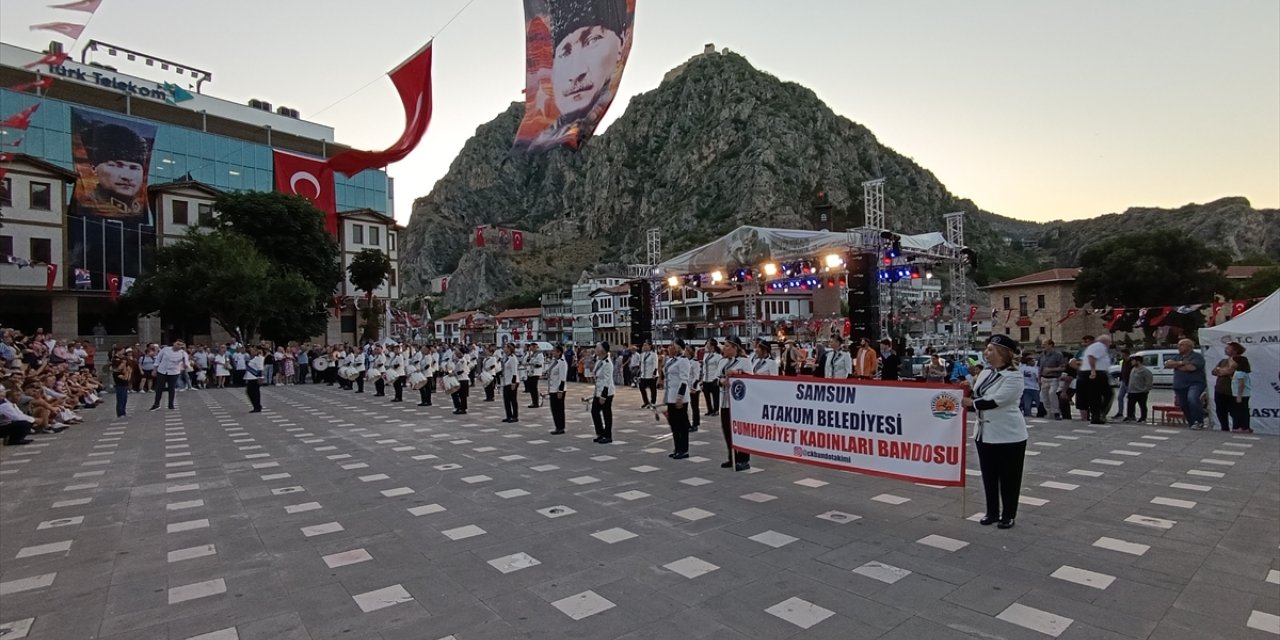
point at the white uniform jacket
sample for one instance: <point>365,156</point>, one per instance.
<point>510,370</point>
<point>605,387</point>
<point>728,366</point>
<point>711,366</point>
<point>839,364</point>
<point>557,375</point>
<point>695,375</point>
<point>765,367</point>
<point>995,397</point>
<point>648,364</point>
<point>676,380</point>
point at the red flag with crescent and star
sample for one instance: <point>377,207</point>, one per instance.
<point>52,276</point>
<point>1213,312</point>
<point>480,237</point>
<point>87,6</point>
<point>973,311</point>
<point>413,82</point>
<point>51,59</point>
<point>1238,307</point>
<point>1116,315</point>
<point>310,178</point>
<point>43,83</point>
<point>68,29</point>
<point>113,286</point>
<point>21,119</point>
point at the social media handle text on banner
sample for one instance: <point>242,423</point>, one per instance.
<point>910,432</point>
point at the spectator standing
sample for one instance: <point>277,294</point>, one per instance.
<point>1188,382</point>
<point>121,374</point>
<point>1224,393</point>
<point>890,362</point>
<point>1052,363</point>
<point>1094,367</point>
<point>1125,368</point>
<point>1030,385</point>
<point>1242,387</point>
<point>1141,379</point>
<point>169,363</point>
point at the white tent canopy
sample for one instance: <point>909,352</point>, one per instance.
<point>746,246</point>
<point>1258,330</point>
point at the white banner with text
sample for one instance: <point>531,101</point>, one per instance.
<point>907,431</point>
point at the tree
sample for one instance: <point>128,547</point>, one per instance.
<point>1263,283</point>
<point>367,271</point>
<point>217,274</point>
<point>1151,269</point>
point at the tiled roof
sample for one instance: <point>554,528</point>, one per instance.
<point>1040,277</point>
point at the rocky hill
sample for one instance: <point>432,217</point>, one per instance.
<point>717,145</point>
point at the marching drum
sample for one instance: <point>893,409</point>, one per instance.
<point>321,363</point>
<point>372,375</point>
<point>485,378</point>
<point>451,384</point>
<point>349,373</point>
<point>410,370</point>
<point>417,380</point>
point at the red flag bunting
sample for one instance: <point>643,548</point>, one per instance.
<point>847,329</point>
<point>1238,307</point>
<point>1213,312</point>
<point>480,237</point>
<point>52,276</point>
<point>87,6</point>
<point>68,29</point>
<point>1071,313</point>
<point>51,59</point>
<point>113,286</point>
<point>1008,316</point>
<point>413,82</point>
<point>1160,317</point>
<point>310,178</point>
<point>43,83</point>
<point>517,240</point>
<point>21,119</point>
<point>1116,315</point>
<point>973,312</point>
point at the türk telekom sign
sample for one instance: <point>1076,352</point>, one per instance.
<point>106,79</point>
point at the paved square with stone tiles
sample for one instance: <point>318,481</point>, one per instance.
<point>338,515</point>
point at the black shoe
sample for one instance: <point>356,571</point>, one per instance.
<point>531,406</point>
<point>359,392</point>
<point>379,395</point>
<point>506,420</point>
<point>597,439</point>
<point>693,428</point>
<point>462,413</point>
<point>1005,524</point>
<point>556,432</point>
<point>155,408</point>
<point>26,441</point>
<point>256,411</point>
<point>742,466</point>
<point>57,429</point>
<point>988,520</point>
<point>397,400</point>
<point>726,465</point>
<point>678,456</point>
<point>606,440</point>
<point>423,404</point>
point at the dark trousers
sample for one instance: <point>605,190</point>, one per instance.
<point>711,392</point>
<point>602,416</point>
<point>1099,398</point>
<point>331,375</point>
<point>737,457</point>
<point>488,390</point>
<point>1001,466</point>
<point>1224,406</point>
<point>398,386</point>
<point>122,398</point>
<point>379,387</point>
<point>237,377</point>
<point>510,402</point>
<point>678,418</point>
<point>1139,400</point>
<point>16,431</point>
<point>253,389</point>
<point>531,388</point>
<point>359,382</point>
<point>649,390</point>
<point>163,382</point>
<point>303,370</point>
<point>460,396</point>
<point>695,414</point>
<point>557,410</point>
<point>627,376</point>
<point>425,393</point>
<point>1239,414</point>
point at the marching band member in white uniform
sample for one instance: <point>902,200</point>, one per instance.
<point>732,362</point>
<point>462,370</point>
<point>695,391</point>
<point>711,366</point>
<point>379,364</point>
<point>493,367</point>
<point>648,381</point>
<point>676,388</point>
<point>764,365</point>
<point>557,376</point>
<point>602,401</point>
<point>397,372</point>
<point>511,383</point>
<point>534,362</point>
<point>428,369</point>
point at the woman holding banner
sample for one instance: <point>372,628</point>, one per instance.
<point>1001,437</point>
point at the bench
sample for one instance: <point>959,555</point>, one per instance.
<point>1167,414</point>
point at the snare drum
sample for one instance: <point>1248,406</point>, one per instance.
<point>417,380</point>
<point>451,384</point>
<point>485,378</point>
<point>372,375</point>
<point>321,363</point>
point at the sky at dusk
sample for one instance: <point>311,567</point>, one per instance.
<point>1035,110</point>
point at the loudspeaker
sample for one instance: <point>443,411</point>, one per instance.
<point>864,298</point>
<point>640,304</point>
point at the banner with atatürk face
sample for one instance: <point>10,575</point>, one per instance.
<point>109,219</point>
<point>575,54</point>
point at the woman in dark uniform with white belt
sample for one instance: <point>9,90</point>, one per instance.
<point>1001,436</point>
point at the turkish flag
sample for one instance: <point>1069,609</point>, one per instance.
<point>68,29</point>
<point>52,277</point>
<point>517,240</point>
<point>87,6</point>
<point>1071,313</point>
<point>43,83</point>
<point>1164,313</point>
<point>1238,307</point>
<point>1116,316</point>
<point>973,311</point>
<point>1213,312</point>
<point>413,82</point>
<point>21,119</point>
<point>51,59</point>
<point>113,286</point>
<point>310,178</point>
<point>847,329</point>
<point>480,237</point>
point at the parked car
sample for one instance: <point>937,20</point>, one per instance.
<point>1153,359</point>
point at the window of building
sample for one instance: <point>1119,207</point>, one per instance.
<point>42,250</point>
<point>1040,301</point>
<point>1041,330</point>
<point>1006,303</point>
<point>6,192</point>
<point>348,324</point>
<point>391,242</point>
<point>1022,306</point>
<point>41,196</point>
<point>391,278</point>
<point>373,236</point>
<point>180,209</point>
<point>357,234</point>
<point>1024,334</point>
<point>6,245</point>
<point>204,214</point>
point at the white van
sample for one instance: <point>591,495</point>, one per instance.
<point>1154,360</point>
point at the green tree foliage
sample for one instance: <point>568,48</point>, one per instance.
<point>217,274</point>
<point>367,271</point>
<point>1150,269</point>
<point>1263,283</point>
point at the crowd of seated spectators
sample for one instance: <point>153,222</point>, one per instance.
<point>46,383</point>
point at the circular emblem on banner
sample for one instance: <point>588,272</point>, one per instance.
<point>945,406</point>
<point>738,390</point>
<point>799,451</point>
